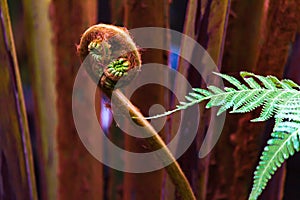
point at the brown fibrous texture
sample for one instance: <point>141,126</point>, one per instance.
<point>121,46</point>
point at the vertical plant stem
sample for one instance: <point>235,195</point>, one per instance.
<point>40,34</point>
<point>16,163</point>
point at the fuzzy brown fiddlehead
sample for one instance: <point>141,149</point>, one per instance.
<point>112,54</point>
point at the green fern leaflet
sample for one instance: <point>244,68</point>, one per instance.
<point>278,99</point>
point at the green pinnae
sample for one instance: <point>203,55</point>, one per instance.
<point>121,60</point>
<point>99,50</point>
<point>108,84</point>
<point>118,67</point>
<point>93,46</point>
<point>111,70</point>
<point>122,68</point>
<point>117,73</point>
<point>126,64</point>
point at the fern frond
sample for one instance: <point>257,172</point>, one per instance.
<point>268,92</point>
<point>272,104</point>
<point>283,144</point>
<point>279,99</point>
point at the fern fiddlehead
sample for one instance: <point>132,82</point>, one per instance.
<point>279,99</point>
<point>109,73</point>
<point>113,54</point>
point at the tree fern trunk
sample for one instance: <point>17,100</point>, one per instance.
<point>147,186</point>
<point>279,33</point>
<point>117,12</point>
<point>79,174</point>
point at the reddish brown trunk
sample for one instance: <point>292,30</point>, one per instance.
<point>79,174</point>
<point>147,186</point>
